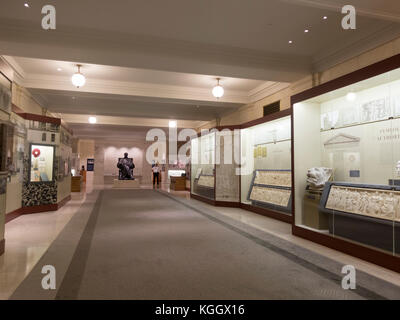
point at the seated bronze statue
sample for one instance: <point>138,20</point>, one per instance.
<point>125,166</point>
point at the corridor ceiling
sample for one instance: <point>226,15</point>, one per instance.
<point>159,59</point>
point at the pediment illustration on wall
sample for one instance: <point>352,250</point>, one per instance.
<point>341,138</point>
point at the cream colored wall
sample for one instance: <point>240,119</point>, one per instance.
<point>14,195</point>
<point>255,110</point>
<point>85,151</point>
<point>4,116</point>
<point>23,99</point>
<point>307,141</point>
<point>63,188</point>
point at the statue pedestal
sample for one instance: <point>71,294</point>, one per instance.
<point>126,184</point>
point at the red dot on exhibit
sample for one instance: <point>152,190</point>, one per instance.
<point>36,152</point>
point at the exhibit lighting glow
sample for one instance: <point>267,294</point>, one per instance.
<point>172,124</point>
<point>92,120</point>
<point>325,17</point>
<point>218,91</point>
<point>351,96</point>
<point>26,5</point>
<point>78,79</point>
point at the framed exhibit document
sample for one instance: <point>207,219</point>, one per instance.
<point>41,163</point>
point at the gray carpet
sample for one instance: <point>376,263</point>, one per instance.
<point>141,244</point>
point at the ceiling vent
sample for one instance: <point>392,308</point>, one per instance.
<point>272,108</point>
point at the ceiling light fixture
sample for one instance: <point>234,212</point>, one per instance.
<point>325,18</point>
<point>92,120</point>
<point>290,41</point>
<point>26,5</point>
<point>351,96</point>
<point>78,79</point>
<point>218,91</point>
<point>172,124</point>
<point>59,69</point>
<point>306,30</point>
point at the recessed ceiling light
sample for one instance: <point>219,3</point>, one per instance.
<point>172,124</point>
<point>325,17</point>
<point>290,41</point>
<point>26,5</point>
<point>92,120</point>
<point>59,69</point>
<point>306,30</point>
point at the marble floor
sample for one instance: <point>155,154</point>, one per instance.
<point>30,238</point>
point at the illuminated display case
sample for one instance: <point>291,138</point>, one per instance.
<point>347,157</point>
<point>203,166</point>
<point>266,176</point>
<point>41,163</point>
<point>47,164</point>
<point>214,172</point>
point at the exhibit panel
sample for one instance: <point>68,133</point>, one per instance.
<point>203,166</point>
<point>347,161</point>
<point>266,165</point>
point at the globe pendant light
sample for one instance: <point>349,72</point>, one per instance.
<point>218,91</point>
<point>78,79</point>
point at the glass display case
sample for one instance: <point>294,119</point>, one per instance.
<point>203,166</point>
<point>266,180</point>
<point>214,167</point>
<point>347,162</point>
<point>227,172</point>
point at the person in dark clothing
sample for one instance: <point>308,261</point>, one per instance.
<point>156,174</point>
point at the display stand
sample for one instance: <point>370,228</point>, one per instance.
<point>271,189</point>
<point>47,165</point>
<point>178,183</point>
<point>126,184</point>
<point>76,184</point>
<point>356,211</point>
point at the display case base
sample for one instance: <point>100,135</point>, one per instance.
<point>126,184</point>
<point>284,217</point>
<point>36,209</point>
<point>370,231</point>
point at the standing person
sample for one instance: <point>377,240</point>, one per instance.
<point>156,174</point>
<point>83,174</point>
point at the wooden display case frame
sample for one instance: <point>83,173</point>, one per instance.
<point>364,252</point>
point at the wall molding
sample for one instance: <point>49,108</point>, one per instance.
<point>267,89</point>
<point>355,49</point>
<point>139,89</point>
